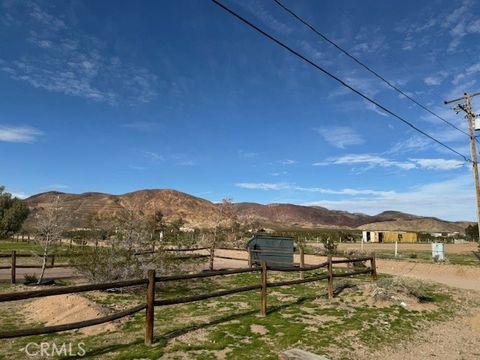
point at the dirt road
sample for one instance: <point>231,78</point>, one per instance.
<point>55,273</point>
<point>460,276</point>
<point>403,247</point>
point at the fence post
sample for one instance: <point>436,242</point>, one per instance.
<point>52,264</point>
<point>250,258</point>
<point>150,310</point>
<point>212,257</point>
<point>263,291</point>
<point>14,267</point>
<point>373,265</point>
<point>330,277</point>
<point>302,262</point>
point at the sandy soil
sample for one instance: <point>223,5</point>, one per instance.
<point>64,309</point>
<point>455,339</point>
<point>461,276</point>
<point>55,273</point>
<point>449,248</point>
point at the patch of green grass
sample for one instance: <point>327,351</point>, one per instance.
<point>426,256</point>
<point>8,246</point>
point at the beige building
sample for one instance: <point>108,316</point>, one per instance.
<point>388,236</point>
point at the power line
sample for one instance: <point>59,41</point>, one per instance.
<point>324,37</point>
<point>326,72</point>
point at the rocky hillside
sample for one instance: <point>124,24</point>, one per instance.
<point>173,204</point>
<point>201,213</point>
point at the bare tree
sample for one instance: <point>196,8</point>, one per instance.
<point>128,253</point>
<point>224,227</point>
<point>49,226</point>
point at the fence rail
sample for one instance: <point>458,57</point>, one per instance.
<point>151,280</point>
<point>71,326</point>
<point>14,255</point>
<point>14,266</point>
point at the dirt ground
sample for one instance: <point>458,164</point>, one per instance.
<point>64,309</point>
<point>457,339</point>
<point>461,276</point>
<point>454,339</point>
<point>55,273</point>
<point>449,248</point>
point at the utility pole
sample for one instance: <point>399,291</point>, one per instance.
<point>467,108</point>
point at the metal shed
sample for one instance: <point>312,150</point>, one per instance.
<point>275,250</point>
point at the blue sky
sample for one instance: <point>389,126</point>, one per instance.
<point>116,96</point>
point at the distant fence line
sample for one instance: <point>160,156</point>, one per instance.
<point>151,280</point>
<point>14,255</point>
<point>211,255</point>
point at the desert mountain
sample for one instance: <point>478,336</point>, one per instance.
<point>201,213</point>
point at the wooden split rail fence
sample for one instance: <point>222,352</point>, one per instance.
<point>151,280</point>
<point>14,255</point>
<point>14,265</point>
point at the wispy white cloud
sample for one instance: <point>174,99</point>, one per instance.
<point>366,159</point>
<point>75,63</point>
<point>142,125</point>
<point>433,199</point>
<point>58,186</point>
<point>374,108</point>
<point>263,186</point>
<point>371,161</point>
<point>435,79</point>
<point>340,136</point>
<point>313,52</point>
<point>185,163</point>
<point>466,75</point>
<point>279,173</point>
<point>450,23</point>
<point>412,144</point>
<point>368,86</point>
<point>460,23</point>
<point>153,156</point>
<point>438,164</point>
<point>370,39</point>
<point>246,154</point>
<point>137,167</point>
<point>256,8</point>
<point>20,195</point>
<point>19,134</point>
<point>287,186</point>
<point>286,162</point>
<point>16,193</point>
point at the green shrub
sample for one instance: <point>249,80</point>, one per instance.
<point>30,279</point>
<point>388,288</point>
